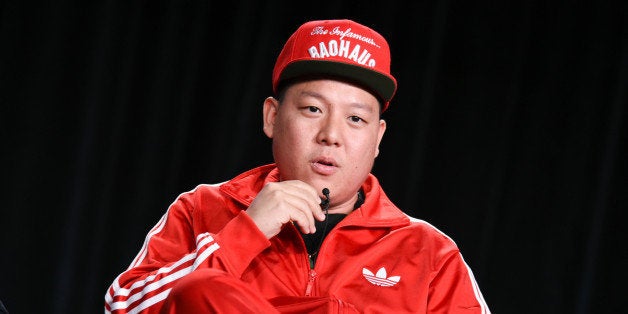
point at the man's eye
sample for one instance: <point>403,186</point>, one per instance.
<point>355,119</point>
<point>313,109</point>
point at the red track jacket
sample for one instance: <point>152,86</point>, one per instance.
<point>377,259</point>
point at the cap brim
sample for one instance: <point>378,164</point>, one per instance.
<point>382,85</point>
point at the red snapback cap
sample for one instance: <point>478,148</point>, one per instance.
<point>338,48</point>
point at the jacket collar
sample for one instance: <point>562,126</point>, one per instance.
<point>377,209</point>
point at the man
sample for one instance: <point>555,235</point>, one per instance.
<point>313,232</point>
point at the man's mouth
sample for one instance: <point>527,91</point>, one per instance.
<point>325,162</point>
<point>324,166</point>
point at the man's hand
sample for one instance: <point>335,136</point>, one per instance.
<point>287,201</point>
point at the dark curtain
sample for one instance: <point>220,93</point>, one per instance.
<point>508,133</point>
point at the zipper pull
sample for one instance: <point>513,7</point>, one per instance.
<point>310,283</point>
<point>311,259</point>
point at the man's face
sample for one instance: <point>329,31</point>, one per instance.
<point>325,133</point>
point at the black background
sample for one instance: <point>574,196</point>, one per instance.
<point>508,133</point>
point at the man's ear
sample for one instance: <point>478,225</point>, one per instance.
<point>271,107</point>
<point>380,135</point>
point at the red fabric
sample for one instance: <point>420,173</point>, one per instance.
<point>375,260</point>
<point>312,305</point>
<point>214,291</point>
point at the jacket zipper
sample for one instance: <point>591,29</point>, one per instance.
<point>310,283</point>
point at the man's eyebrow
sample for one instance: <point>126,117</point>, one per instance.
<point>310,94</point>
<point>362,106</point>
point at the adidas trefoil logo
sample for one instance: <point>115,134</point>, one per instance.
<point>380,279</point>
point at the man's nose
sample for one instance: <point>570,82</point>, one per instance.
<point>330,131</point>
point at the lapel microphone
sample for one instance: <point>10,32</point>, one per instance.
<point>325,202</point>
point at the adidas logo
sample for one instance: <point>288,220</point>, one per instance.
<point>380,278</point>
